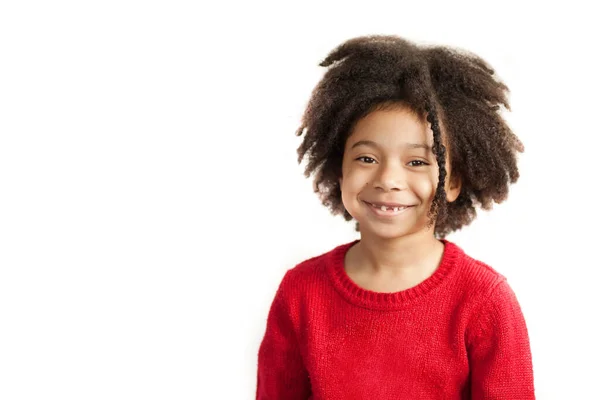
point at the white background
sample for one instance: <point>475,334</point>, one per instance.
<point>150,199</point>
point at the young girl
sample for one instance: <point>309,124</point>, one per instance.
<point>406,140</point>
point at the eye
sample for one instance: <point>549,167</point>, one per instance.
<point>366,158</point>
<point>417,163</point>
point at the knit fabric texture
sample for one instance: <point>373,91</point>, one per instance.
<point>459,334</point>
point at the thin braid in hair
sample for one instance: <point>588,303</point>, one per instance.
<point>438,209</point>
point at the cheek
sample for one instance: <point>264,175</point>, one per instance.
<point>354,179</point>
<point>425,186</point>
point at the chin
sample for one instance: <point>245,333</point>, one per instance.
<point>386,232</point>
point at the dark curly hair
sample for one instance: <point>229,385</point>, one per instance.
<point>456,90</point>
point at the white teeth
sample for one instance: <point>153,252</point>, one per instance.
<point>386,208</point>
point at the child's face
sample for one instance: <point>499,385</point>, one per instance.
<point>388,159</point>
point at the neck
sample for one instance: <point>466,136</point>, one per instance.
<point>399,256</point>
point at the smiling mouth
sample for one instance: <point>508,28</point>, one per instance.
<point>386,210</point>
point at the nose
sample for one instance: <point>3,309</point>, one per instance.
<point>390,176</point>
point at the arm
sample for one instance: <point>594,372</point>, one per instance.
<point>499,351</point>
<point>281,371</point>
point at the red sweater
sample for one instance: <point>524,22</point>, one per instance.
<point>460,334</point>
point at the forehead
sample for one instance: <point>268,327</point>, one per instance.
<point>391,128</point>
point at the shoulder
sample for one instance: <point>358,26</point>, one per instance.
<point>478,278</point>
<point>491,298</point>
<point>310,273</point>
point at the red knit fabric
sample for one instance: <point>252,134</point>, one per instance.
<point>460,334</point>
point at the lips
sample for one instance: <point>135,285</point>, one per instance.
<point>387,205</point>
<point>380,209</point>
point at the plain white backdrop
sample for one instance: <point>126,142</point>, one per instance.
<point>150,198</point>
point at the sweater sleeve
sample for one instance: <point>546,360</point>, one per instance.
<point>499,351</point>
<point>281,371</point>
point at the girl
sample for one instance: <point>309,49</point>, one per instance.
<point>406,140</point>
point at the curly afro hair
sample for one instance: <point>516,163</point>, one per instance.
<point>456,90</point>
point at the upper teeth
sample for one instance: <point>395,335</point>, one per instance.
<point>384,208</point>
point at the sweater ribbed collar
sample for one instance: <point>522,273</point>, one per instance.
<point>388,301</point>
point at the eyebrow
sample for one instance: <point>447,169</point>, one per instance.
<point>371,143</point>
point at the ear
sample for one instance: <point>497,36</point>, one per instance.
<point>453,187</point>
